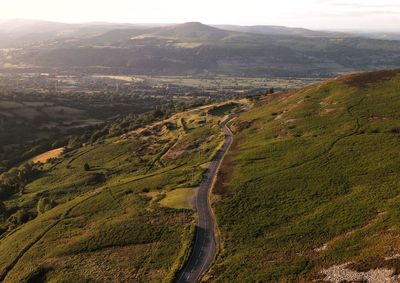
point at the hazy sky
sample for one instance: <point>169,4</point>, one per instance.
<point>316,14</point>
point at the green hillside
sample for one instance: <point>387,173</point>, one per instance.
<point>313,182</point>
<point>193,30</point>
<point>95,214</point>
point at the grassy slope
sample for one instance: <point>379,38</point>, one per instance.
<point>113,230</point>
<point>315,167</point>
<point>179,198</point>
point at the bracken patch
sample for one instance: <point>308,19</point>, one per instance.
<point>362,80</point>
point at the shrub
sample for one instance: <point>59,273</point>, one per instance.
<point>5,192</point>
<point>375,131</point>
<point>395,131</point>
<point>44,204</point>
<point>20,217</point>
<point>37,275</point>
<point>3,209</point>
<point>128,192</point>
<point>94,179</point>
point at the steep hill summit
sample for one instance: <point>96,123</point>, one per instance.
<point>194,30</point>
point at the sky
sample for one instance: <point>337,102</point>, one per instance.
<point>372,15</point>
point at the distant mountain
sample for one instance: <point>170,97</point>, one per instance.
<point>272,30</point>
<point>194,48</point>
<point>117,35</point>
<point>24,27</point>
<point>192,30</point>
<point>29,31</point>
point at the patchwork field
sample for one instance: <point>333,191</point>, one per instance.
<point>310,191</point>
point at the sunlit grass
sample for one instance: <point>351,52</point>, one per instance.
<point>179,198</point>
<point>301,177</point>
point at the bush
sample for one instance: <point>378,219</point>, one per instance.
<point>37,275</point>
<point>128,192</point>
<point>395,130</point>
<point>5,192</point>
<point>94,179</point>
<point>375,131</point>
<point>20,217</point>
<point>15,179</point>
<point>3,209</point>
<point>44,204</point>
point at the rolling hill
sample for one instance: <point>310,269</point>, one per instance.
<point>275,30</point>
<point>118,210</point>
<point>194,48</point>
<point>309,191</point>
<point>192,31</point>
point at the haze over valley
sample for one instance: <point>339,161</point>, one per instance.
<point>190,48</point>
<point>187,141</point>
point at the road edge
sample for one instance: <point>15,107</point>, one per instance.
<point>217,232</point>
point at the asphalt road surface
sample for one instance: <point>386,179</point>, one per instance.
<point>204,248</point>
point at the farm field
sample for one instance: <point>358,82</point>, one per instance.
<point>45,157</point>
<point>310,189</point>
<point>220,82</point>
<point>43,111</point>
<point>116,210</point>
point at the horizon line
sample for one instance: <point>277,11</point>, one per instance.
<point>330,29</point>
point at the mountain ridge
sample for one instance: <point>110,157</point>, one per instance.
<point>195,48</point>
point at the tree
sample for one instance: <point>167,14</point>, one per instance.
<point>10,178</point>
<point>86,167</point>
<point>25,172</point>
<point>5,192</point>
<point>73,142</point>
<point>114,130</point>
<point>3,208</point>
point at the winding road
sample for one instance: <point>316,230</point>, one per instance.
<point>204,247</point>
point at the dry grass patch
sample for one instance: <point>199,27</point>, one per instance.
<point>363,79</point>
<point>45,157</point>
